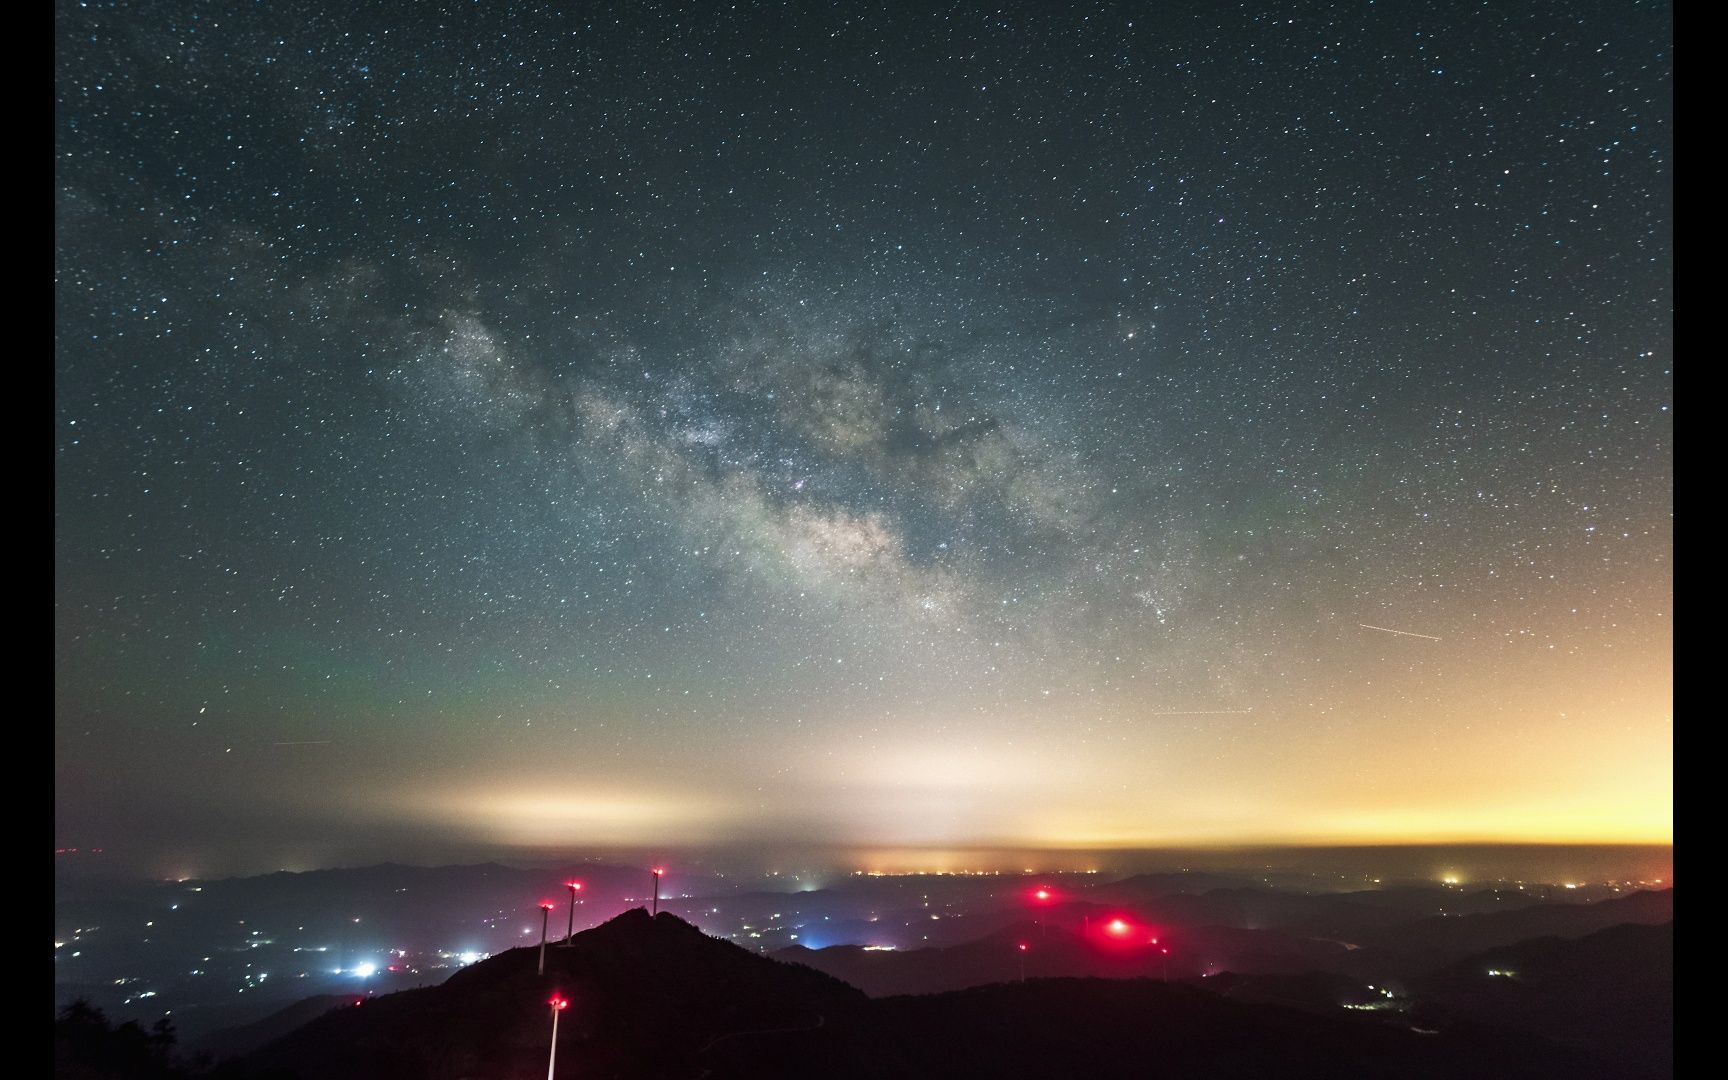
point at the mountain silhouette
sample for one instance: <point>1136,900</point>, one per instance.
<point>646,994</point>
<point>1610,994</point>
<point>1054,951</point>
<point>653,997</point>
<point>244,1038</point>
<point>1452,937</point>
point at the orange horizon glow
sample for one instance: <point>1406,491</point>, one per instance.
<point>1578,753</point>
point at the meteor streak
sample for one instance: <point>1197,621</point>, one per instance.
<point>1400,633</point>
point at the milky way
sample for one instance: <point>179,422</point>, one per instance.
<point>477,424</point>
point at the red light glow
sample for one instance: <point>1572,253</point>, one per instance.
<point>559,1003</point>
<point>1117,927</point>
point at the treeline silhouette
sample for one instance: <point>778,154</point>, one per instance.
<point>88,1046</point>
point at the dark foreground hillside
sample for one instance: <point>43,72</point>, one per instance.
<point>1610,994</point>
<point>654,997</point>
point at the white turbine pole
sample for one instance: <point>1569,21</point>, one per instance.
<point>570,930</point>
<point>558,1006</point>
<point>545,912</point>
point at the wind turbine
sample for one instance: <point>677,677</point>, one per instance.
<point>545,913</point>
<point>570,929</point>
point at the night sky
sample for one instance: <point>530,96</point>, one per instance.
<point>486,426</point>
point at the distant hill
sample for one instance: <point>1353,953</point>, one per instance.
<point>1446,938</point>
<point>654,997</point>
<point>1055,952</point>
<point>1091,1028</point>
<point>1147,886</point>
<point>1610,994</point>
<point>1312,991</point>
<point>245,1038</point>
<point>1187,901</point>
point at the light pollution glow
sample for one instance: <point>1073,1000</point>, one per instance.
<point>1173,463</point>
<point>1612,784</point>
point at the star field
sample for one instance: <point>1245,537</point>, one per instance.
<point>493,424</point>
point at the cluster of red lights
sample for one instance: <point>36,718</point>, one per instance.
<point>1117,929</point>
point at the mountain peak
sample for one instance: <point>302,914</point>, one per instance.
<point>646,993</point>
